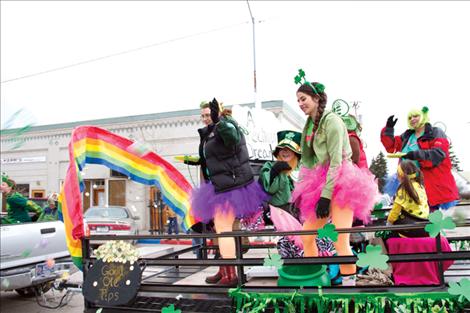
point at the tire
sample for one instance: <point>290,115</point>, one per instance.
<point>29,292</point>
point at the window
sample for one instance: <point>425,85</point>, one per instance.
<point>117,192</point>
<point>38,193</point>
<point>23,189</point>
<point>117,174</point>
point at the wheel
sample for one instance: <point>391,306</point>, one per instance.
<point>29,292</point>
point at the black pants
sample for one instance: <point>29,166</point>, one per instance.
<point>404,219</point>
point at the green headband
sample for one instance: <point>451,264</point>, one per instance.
<point>6,179</point>
<point>316,87</point>
<point>204,104</point>
<point>424,118</point>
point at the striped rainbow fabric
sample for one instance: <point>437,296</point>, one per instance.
<point>94,145</point>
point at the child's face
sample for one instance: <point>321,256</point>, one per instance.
<point>5,188</point>
<point>285,154</point>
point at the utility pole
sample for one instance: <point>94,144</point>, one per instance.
<point>257,103</point>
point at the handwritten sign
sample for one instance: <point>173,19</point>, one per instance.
<point>261,127</point>
<point>112,283</point>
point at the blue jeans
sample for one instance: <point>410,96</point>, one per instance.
<point>172,225</point>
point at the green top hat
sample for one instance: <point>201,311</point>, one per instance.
<point>288,139</point>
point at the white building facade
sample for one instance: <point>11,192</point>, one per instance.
<point>38,159</point>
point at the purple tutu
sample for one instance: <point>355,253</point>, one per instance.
<point>354,187</point>
<point>244,201</point>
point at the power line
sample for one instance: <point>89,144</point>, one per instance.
<point>122,52</point>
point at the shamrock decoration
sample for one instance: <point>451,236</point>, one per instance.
<point>170,309</point>
<point>401,309</point>
<point>461,289</point>
<point>99,310</point>
<point>273,260</point>
<point>438,309</point>
<point>328,231</point>
<point>17,136</point>
<point>26,253</point>
<point>438,224</point>
<point>379,213</point>
<point>372,258</point>
<point>298,78</point>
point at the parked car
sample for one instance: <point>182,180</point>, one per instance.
<point>111,220</point>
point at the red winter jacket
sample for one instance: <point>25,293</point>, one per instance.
<point>433,158</point>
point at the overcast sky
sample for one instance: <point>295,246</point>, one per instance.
<point>64,61</point>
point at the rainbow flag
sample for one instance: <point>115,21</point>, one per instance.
<point>94,145</point>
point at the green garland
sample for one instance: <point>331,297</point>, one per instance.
<point>382,302</point>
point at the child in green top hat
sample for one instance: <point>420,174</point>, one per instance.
<point>275,178</point>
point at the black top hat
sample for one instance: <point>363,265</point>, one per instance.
<point>288,139</point>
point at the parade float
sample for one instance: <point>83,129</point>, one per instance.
<point>115,281</point>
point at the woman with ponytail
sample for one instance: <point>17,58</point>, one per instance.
<point>330,185</point>
<point>428,147</point>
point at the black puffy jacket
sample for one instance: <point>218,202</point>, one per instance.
<point>226,156</point>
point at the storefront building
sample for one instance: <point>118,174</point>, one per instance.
<point>38,159</point>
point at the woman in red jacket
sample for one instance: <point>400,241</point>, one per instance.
<point>429,148</point>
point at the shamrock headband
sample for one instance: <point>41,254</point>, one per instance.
<point>7,180</point>
<point>204,104</point>
<point>424,118</point>
<point>316,87</point>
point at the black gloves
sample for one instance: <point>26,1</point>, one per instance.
<point>214,106</point>
<point>391,122</point>
<point>277,168</point>
<point>323,208</point>
<point>412,155</point>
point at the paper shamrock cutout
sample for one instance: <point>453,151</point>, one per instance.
<point>461,289</point>
<point>328,231</point>
<point>273,260</point>
<point>170,309</point>
<point>438,224</point>
<point>373,258</point>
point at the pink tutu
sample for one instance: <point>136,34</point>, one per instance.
<point>354,187</point>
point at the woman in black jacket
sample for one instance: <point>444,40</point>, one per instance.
<point>231,192</point>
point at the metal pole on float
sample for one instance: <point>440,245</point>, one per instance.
<point>257,103</point>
